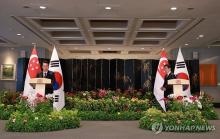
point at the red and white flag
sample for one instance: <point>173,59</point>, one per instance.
<point>181,72</point>
<point>159,80</point>
<point>58,85</point>
<point>32,71</point>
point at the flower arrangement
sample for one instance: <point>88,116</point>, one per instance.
<point>185,100</point>
<point>41,122</point>
<point>102,93</point>
<point>175,121</point>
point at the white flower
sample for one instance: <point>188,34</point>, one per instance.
<point>36,118</point>
<point>61,117</point>
<point>13,120</point>
<point>187,99</point>
<point>170,96</point>
<point>49,96</point>
<point>199,104</point>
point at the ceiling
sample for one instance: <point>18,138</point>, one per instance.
<point>130,29</point>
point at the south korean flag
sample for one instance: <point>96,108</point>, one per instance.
<point>58,84</point>
<point>181,72</point>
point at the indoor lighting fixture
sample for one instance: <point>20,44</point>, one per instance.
<point>108,8</point>
<point>201,35</point>
<point>173,8</point>
<point>186,44</point>
<point>19,34</point>
<point>43,7</point>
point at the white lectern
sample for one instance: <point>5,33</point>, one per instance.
<point>178,86</point>
<point>39,84</point>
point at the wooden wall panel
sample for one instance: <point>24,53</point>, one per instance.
<point>208,74</point>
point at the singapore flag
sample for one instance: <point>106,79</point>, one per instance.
<point>159,80</point>
<point>32,71</point>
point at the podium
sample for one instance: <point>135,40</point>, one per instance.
<point>39,84</point>
<point>178,86</point>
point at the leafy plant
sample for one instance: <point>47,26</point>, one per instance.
<point>101,115</point>
<point>188,121</point>
<point>41,122</point>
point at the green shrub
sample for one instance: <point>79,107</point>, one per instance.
<point>41,122</point>
<point>101,115</point>
<point>8,97</point>
<point>208,110</point>
<point>6,111</point>
<point>189,121</point>
<point>107,105</point>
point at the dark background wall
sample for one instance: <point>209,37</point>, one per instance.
<point>89,74</point>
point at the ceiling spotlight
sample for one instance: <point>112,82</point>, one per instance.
<point>43,7</point>
<point>19,34</point>
<point>201,35</point>
<point>173,8</point>
<point>108,8</point>
<point>186,44</point>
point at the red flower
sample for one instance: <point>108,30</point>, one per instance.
<point>179,98</point>
<point>102,93</point>
<point>193,98</point>
<point>39,95</point>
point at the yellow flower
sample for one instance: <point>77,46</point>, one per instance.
<point>178,121</point>
<point>61,117</point>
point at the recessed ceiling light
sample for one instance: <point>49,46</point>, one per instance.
<point>43,7</point>
<point>173,8</point>
<point>19,34</point>
<point>190,8</point>
<point>108,8</point>
<point>26,6</point>
<point>201,35</point>
<point>186,44</point>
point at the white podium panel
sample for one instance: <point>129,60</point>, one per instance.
<point>178,86</point>
<point>39,84</point>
